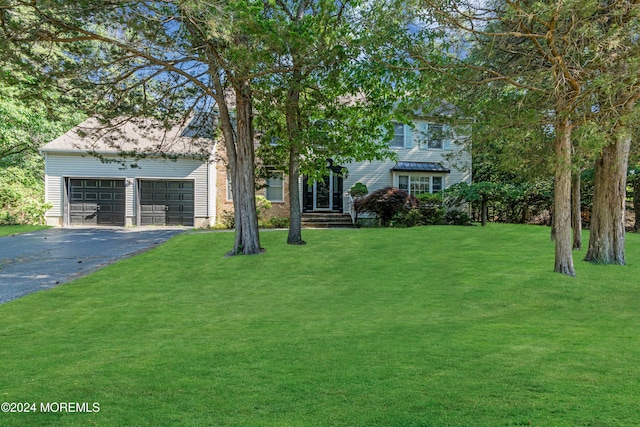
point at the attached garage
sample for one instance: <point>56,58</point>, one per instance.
<point>96,201</point>
<point>108,189</point>
<point>166,202</point>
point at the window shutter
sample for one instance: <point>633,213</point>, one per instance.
<point>408,136</point>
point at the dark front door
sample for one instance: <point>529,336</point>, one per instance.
<point>323,199</point>
<point>323,195</point>
<point>166,202</point>
<point>96,201</point>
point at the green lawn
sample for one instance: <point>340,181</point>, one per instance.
<point>7,230</point>
<point>435,326</point>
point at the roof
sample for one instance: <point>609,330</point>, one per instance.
<point>136,135</point>
<point>419,167</point>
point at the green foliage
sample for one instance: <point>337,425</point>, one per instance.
<point>457,217</point>
<point>513,203</point>
<point>21,197</point>
<point>387,203</point>
<point>262,206</point>
<point>430,199</point>
<point>32,115</point>
<point>278,222</point>
<point>358,190</point>
<point>227,219</point>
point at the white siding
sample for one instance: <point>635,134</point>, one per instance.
<point>59,166</point>
<point>377,175</point>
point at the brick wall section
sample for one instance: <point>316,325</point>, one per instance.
<point>280,209</point>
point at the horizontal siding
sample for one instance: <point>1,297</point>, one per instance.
<point>59,166</point>
<point>377,175</point>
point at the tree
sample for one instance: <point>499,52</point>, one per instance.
<point>550,54</point>
<point>33,112</point>
<point>613,78</point>
<point>387,203</point>
<point>634,180</point>
<point>162,59</point>
<point>331,103</point>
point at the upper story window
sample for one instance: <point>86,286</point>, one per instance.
<point>398,136</point>
<point>402,136</point>
<point>435,136</point>
<point>275,187</point>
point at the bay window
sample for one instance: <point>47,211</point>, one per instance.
<point>420,184</point>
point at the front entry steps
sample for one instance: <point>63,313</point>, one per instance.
<point>326,220</point>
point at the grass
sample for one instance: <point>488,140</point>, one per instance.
<point>8,230</point>
<point>435,326</point>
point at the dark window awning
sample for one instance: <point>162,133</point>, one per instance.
<point>419,167</point>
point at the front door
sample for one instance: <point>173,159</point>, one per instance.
<point>322,194</point>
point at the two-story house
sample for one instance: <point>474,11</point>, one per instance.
<point>191,191</point>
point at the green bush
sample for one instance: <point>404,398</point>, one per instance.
<point>278,222</point>
<point>21,197</point>
<point>457,217</point>
<point>227,219</point>
<point>358,190</point>
<point>262,206</point>
<point>387,204</point>
<point>430,199</point>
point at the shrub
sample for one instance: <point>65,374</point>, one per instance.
<point>262,206</point>
<point>227,219</point>
<point>430,199</point>
<point>432,214</point>
<point>457,217</point>
<point>358,190</point>
<point>21,197</point>
<point>387,203</point>
<point>278,222</point>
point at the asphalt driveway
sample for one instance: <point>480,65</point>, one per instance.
<point>43,259</point>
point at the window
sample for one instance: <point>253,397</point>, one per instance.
<point>420,184</point>
<point>435,136</point>
<point>275,187</point>
<point>436,184</point>
<point>229,191</point>
<point>398,136</point>
<point>403,182</point>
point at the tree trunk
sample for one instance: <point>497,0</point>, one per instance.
<point>636,203</point>
<point>576,211</point>
<point>243,173</point>
<point>562,199</point>
<point>484,209</point>
<point>552,223</point>
<point>295,215</point>
<point>293,131</point>
<point>606,242</point>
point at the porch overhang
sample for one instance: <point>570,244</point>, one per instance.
<point>433,167</point>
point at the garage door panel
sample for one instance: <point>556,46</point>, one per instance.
<point>96,201</point>
<point>166,202</point>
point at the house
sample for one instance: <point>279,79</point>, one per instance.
<point>87,183</point>
<point>430,157</point>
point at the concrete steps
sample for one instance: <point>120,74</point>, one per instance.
<point>326,220</point>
